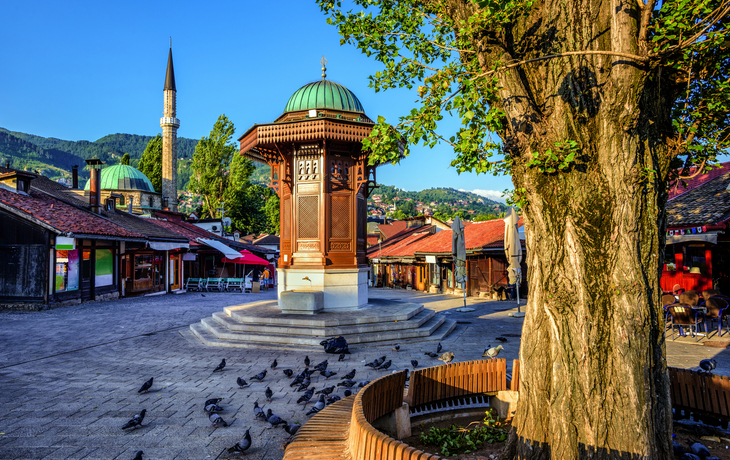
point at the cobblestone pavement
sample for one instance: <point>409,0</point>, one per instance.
<point>69,377</point>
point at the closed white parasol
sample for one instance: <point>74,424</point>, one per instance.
<point>513,251</point>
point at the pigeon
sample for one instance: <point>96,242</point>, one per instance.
<point>447,357</point>
<point>342,357</point>
<point>363,383</point>
<point>306,361</point>
<point>492,352</point>
<point>241,382</point>
<point>321,366</point>
<point>700,450</point>
<point>268,394</point>
<point>501,339</point>
<point>431,354</point>
<point>273,419</point>
<point>439,348</point>
<point>708,365</point>
<point>274,364</point>
<point>318,406</point>
<point>258,413</point>
<point>305,384</point>
<point>677,448</point>
<point>135,421</point>
<point>349,376</point>
<point>376,362</point>
<point>327,374</point>
<point>216,420</point>
<point>347,383</point>
<point>385,365</point>
<point>146,386</point>
<point>291,429</point>
<point>202,295</point>
<point>220,366</point>
<point>138,456</point>
<point>210,408</point>
<point>306,397</point>
<point>414,363</point>
<point>396,348</point>
<point>333,399</point>
<point>689,456</point>
<point>298,380</point>
<point>347,393</point>
<point>212,401</point>
<point>288,373</point>
<point>326,391</point>
<point>242,445</point>
<point>259,377</point>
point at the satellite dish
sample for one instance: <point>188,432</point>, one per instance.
<point>226,221</point>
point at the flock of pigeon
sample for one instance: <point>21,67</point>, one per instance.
<point>302,382</point>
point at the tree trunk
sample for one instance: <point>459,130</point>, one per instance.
<point>593,369</point>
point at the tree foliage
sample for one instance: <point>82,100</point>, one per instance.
<point>151,162</point>
<point>124,160</point>
<point>271,209</point>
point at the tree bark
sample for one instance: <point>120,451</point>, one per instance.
<point>593,366</point>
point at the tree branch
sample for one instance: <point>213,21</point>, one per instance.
<point>699,171</point>
<point>567,53</point>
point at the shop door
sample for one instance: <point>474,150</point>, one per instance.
<point>473,278</point>
<point>175,272</point>
<point>422,276</point>
<point>87,271</point>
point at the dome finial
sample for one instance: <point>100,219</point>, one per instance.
<point>323,61</point>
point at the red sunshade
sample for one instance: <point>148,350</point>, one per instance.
<point>247,258</point>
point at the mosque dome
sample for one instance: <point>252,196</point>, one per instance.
<point>123,177</point>
<point>324,94</point>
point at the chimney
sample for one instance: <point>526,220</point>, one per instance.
<point>75,177</point>
<point>95,186</point>
<point>7,164</point>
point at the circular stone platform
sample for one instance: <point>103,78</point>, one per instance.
<point>261,324</point>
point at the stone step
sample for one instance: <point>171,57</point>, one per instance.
<point>287,339</point>
<point>205,336</point>
<point>328,331</point>
<point>268,312</point>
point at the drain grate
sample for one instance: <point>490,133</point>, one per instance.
<point>451,404</point>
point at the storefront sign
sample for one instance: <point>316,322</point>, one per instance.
<point>63,242</point>
<point>430,259</point>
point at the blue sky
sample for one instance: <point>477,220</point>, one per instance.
<point>82,70</point>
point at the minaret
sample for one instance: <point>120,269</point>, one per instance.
<point>169,125</point>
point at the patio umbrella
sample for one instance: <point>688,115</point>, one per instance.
<point>513,250</point>
<point>246,258</point>
<point>458,250</point>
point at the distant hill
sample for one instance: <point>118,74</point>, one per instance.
<point>54,158</point>
<point>442,199</point>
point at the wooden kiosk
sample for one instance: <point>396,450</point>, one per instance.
<point>322,177</point>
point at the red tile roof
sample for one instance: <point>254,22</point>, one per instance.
<point>678,189</point>
<point>393,228</point>
<point>62,216</point>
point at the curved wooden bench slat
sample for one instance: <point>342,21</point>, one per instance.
<point>325,435</point>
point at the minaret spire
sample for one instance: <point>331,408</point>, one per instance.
<point>170,75</point>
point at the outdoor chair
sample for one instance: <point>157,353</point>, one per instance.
<point>219,284</point>
<point>707,293</point>
<point>193,284</point>
<point>684,316</point>
<point>234,283</point>
<point>667,301</point>
<point>689,298</point>
<point>716,310</point>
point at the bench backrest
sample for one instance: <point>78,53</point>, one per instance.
<point>457,379</point>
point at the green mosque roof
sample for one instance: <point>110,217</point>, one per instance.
<point>324,94</point>
<point>123,177</point>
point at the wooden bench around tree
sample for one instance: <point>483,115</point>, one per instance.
<point>325,435</point>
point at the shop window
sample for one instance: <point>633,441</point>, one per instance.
<point>67,270</point>
<point>142,267</point>
<point>104,268</point>
<point>696,258</point>
<point>669,260</point>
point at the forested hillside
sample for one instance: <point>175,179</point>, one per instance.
<point>54,158</point>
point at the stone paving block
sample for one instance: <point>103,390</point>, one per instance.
<point>62,453</point>
<point>25,453</point>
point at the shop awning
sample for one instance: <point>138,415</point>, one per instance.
<point>159,246</point>
<point>226,250</point>
<point>246,257</point>
<point>708,237</point>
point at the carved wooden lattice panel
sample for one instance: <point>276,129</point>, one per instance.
<point>308,217</point>
<point>340,216</point>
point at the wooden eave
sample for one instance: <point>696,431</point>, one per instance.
<point>259,142</point>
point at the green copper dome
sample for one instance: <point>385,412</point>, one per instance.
<point>123,177</point>
<point>324,94</point>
